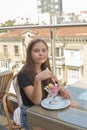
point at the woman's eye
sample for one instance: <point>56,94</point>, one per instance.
<point>44,50</point>
<point>37,50</point>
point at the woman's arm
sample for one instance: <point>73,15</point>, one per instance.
<point>34,93</point>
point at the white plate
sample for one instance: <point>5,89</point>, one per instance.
<point>62,103</point>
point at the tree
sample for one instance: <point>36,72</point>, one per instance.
<point>8,23</point>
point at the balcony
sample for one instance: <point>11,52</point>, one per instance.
<point>75,62</point>
<point>59,61</point>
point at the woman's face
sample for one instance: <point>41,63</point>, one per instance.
<point>39,53</point>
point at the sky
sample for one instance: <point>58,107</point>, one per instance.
<point>24,8</point>
<point>74,5</point>
<point>15,8</point>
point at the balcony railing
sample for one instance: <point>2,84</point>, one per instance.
<point>58,60</point>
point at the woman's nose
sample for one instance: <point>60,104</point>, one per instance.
<point>40,52</point>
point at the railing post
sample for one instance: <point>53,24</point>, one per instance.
<point>53,49</point>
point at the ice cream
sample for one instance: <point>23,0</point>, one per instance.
<point>55,88</point>
<point>50,85</point>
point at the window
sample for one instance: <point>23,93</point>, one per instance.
<point>18,64</point>
<point>72,54</point>
<point>5,50</point>
<point>4,64</point>
<point>59,52</point>
<point>52,1</point>
<point>59,72</point>
<point>16,50</point>
<point>56,0</point>
<point>73,74</point>
<point>56,6</point>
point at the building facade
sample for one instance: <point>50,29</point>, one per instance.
<point>52,7</point>
<point>13,48</point>
<point>69,44</point>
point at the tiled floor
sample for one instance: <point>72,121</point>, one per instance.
<point>3,123</point>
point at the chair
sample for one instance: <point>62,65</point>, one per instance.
<point>5,80</point>
<point>9,108</point>
<point>17,91</point>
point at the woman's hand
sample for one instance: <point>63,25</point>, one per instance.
<point>65,93</point>
<point>46,74</point>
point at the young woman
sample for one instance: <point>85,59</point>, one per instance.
<point>34,76</point>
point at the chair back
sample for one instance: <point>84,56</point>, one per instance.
<point>5,80</point>
<point>17,91</point>
<point>9,108</point>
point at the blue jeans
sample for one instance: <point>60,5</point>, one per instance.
<point>23,117</point>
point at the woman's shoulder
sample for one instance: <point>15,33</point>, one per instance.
<point>24,71</point>
<point>22,74</point>
<point>23,79</point>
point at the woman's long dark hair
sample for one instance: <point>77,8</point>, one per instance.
<point>29,65</point>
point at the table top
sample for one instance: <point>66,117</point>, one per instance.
<point>79,96</point>
<point>76,116</point>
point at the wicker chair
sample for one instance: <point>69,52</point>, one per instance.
<point>9,108</point>
<point>5,81</point>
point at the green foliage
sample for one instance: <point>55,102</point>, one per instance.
<point>8,23</point>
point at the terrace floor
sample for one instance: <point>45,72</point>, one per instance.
<point>3,123</point>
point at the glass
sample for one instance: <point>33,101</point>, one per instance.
<point>53,93</point>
